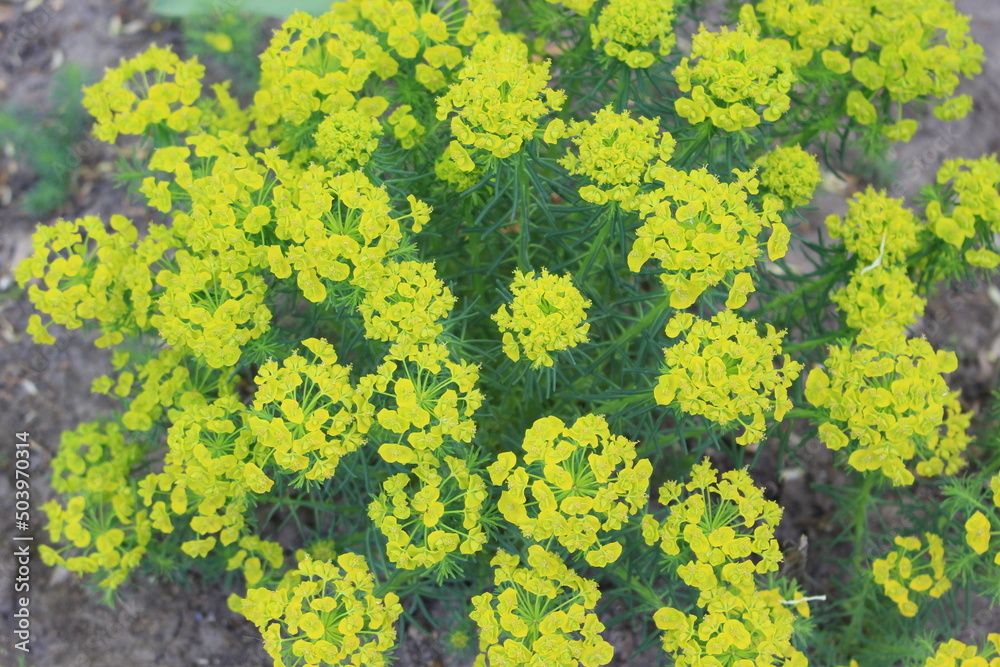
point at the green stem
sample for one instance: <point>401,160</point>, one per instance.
<point>596,246</point>
<point>860,530</point>
<point>644,322</point>
<point>637,586</point>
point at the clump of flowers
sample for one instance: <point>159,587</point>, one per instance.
<point>93,275</point>
<point>304,414</point>
<point>736,74</point>
<point>700,230</point>
<point>970,223</point>
<point>547,314</point>
<point>576,484</point>
<point>346,138</point>
<point>954,653</point>
<point>430,514</point>
<point>625,29</point>
<point>912,567</point>
<point>616,153</point>
<point>900,49</point>
<point>106,529</point>
<point>724,371</point>
<point>879,297</point>
<point>118,108</point>
<point>723,533</point>
<point>324,612</point>
<point>791,173</point>
<point>541,613</point>
<point>497,101</point>
<point>884,396</point>
<point>877,228</point>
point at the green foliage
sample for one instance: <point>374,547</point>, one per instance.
<point>48,144</point>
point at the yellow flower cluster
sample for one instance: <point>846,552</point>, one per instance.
<point>543,613</point>
<point>976,211</point>
<point>911,49</point>
<point>435,399</point>
<point>324,613</point>
<point>404,302</point>
<point>346,138</point>
<point>206,471</point>
<point>736,73</point>
<point>105,529</point>
<point>315,66</point>
<point>954,653</point>
<point>137,94</point>
<point>547,314</point>
<point>435,509</point>
<point>885,396</point>
<point>915,567</point>
<point>497,101</point>
<point>268,554</point>
<point>430,513</point>
<point>724,371</point>
<point>155,386</point>
<point>576,482</point>
<point>791,173</point>
<point>304,416</point>
<point>883,234</point>
<point>880,297</point>
<point>709,231</point>
<point>625,29</point>
<point>615,151</point>
<point>213,289</point>
<point>876,228</point>
<point>100,276</point>
<point>726,530</point>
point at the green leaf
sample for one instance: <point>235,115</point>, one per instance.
<point>185,8</point>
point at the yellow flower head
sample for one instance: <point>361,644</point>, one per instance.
<point>576,482</point>
<point>346,139</point>
<point>540,613</point>
<point>791,173</point>
<point>304,412</point>
<point>430,514</point>
<point>877,228</point>
<point>975,216</point>
<point>724,371</point>
<point>625,29</point>
<point>120,106</point>
<point>954,653</point>
<point>978,532</point>
<point>616,152</point>
<point>887,393</point>
<point>736,73</point>
<point>912,568</point>
<point>547,314</point>
<point>325,613</point>
<point>498,99</point>
<point>723,533</point>
<point>881,297</point>
<point>700,230</point>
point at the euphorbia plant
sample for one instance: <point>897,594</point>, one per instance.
<point>460,288</point>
